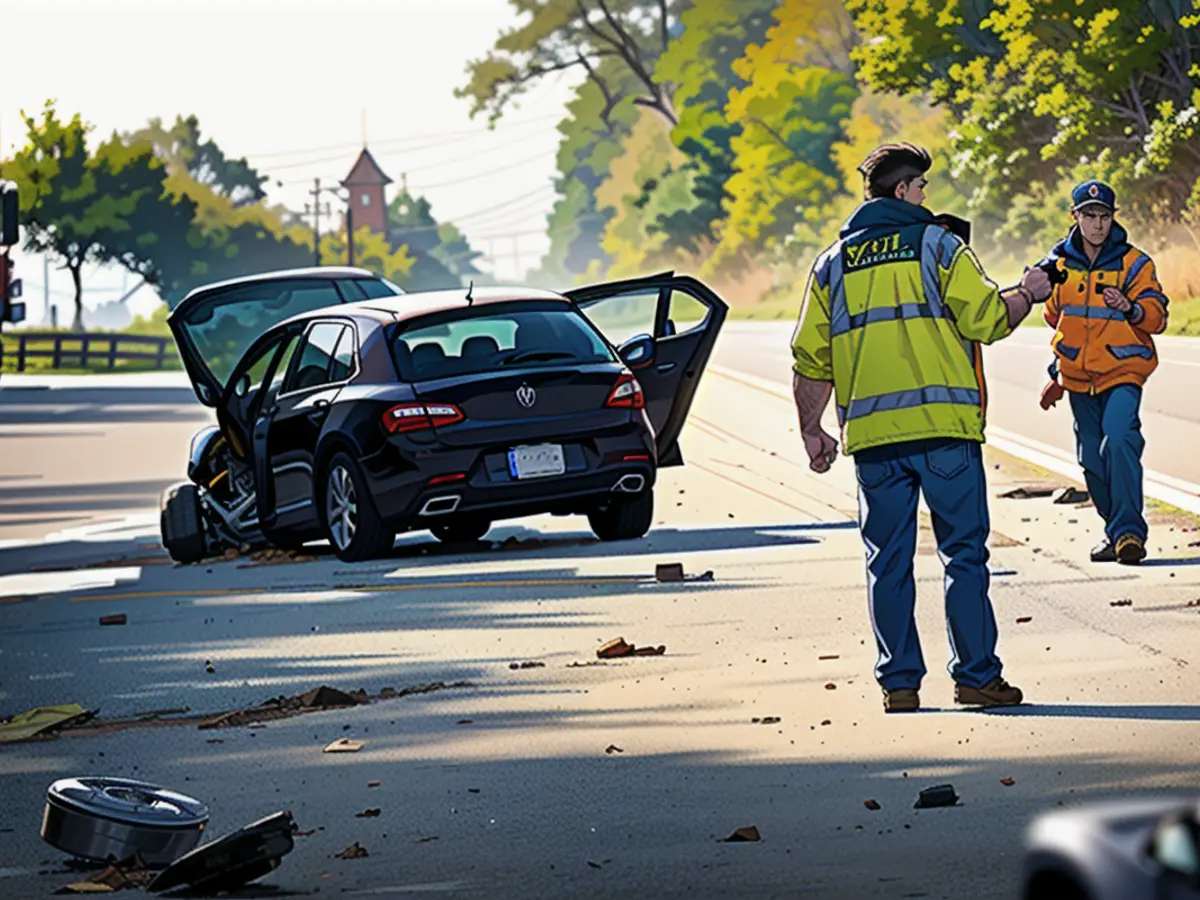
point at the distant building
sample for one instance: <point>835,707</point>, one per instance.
<point>366,183</point>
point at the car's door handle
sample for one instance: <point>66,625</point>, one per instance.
<point>664,368</point>
<point>319,408</point>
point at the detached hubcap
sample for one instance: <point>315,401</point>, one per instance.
<point>341,508</point>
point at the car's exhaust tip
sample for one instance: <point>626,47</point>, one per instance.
<point>440,506</point>
<point>630,484</point>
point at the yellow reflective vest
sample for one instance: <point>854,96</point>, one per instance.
<point>894,315</point>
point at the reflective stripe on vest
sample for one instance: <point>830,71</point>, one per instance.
<point>1133,271</point>
<point>937,246</point>
<point>1094,312</point>
<point>864,406</point>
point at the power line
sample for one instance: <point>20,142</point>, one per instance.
<point>477,176</point>
<point>404,140</point>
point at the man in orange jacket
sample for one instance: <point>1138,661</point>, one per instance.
<point>1104,314</point>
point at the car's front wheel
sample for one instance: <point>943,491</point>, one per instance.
<point>462,532</point>
<point>353,525</point>
<point>624,520</point>
<point>182,525</point>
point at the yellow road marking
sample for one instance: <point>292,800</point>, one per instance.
<point>528,582</point>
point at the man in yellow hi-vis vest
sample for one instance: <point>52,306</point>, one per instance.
<point>893,318</point>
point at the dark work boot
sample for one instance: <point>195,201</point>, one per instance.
<point>901,700</point>
<point>1130,550</point>
<point>1105,551</point>
<point>996,692</point>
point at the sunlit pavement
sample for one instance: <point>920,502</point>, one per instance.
<point>511,775</point>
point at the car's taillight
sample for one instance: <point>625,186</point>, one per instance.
<point>419,416</point>
<point>626,393</point>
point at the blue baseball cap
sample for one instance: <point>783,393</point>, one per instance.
<point>1091,192</point>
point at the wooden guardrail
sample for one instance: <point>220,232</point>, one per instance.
<point>80,350</point>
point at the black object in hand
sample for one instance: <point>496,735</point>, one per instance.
<point>1053,272</point>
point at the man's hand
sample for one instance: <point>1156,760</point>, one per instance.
<point>821,448</point>
<point>1037,282</point>
<point>1051,394</point>
<point>1114,299</point>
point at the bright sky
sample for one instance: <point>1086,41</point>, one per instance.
<point>286,83</point>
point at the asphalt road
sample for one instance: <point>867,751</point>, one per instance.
<point>579,778</point>
<point>1016,373</point>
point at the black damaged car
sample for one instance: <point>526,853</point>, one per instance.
<point>351,411</point>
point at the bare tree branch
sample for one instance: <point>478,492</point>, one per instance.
<point>662,23</point>
<point>610,101</point>
<point>1136,96</point>
<point>622,45</point>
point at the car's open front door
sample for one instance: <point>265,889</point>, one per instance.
<point>683,317</point>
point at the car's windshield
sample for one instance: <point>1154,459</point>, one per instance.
<point>523,334</point>
<point>224,324</point>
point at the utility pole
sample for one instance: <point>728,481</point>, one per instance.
<point>315,209</point>
<point>350,228</point>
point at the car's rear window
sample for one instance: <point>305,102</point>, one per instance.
<point>468,342</point>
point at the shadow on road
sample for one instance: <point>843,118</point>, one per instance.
<point>1149,713</point>
<point>43,499</point>
<point>1176,561</point>
<point>84,406</point>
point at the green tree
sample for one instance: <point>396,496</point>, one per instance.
<point>699,66</point>
<point>181,147</point>
<point>601,37</point>
<point>372,251</point>
<point>791,113</point>
<point>93,206</point>
<point>1038,88</point>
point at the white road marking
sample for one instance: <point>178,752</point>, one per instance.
<point>66,582</point>
<point>1165,488</point>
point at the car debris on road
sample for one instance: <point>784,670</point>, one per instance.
<point>618,647</point>
<point>742,835</point>
<point>937,796</point>
<point>233,860</point>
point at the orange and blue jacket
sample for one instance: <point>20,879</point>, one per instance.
<point>1096,347</point>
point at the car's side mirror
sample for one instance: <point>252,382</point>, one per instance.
<point>637,352</point>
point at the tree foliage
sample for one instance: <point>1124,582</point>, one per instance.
<point>1038,88</point>
<point>181,148</point>
<point>372,251</point>
<point>84,205</point>
<point>441,256</point>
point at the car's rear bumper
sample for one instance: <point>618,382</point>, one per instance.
<point>409,495</point>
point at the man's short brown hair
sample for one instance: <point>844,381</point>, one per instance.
<point>890,164</point>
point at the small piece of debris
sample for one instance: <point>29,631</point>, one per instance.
<point>829,656</point>
<point>473,790</point>
<point>1023,619</point>
<point>872,805</point>
<point>368,814</point>
<point>594,865</point>
<point>533,664</point>
<point>826,721</point>
<point>215,741</point>
<point>1071,495</point>
<point>387,693</point>
<point>465,722</point>
<point>308,833</point>
<point>749,833</point>
<point>344,745</point>
<point>618,647</point>
<point>1008,782</point>
<point>209,667</point>
<point>1125,602</point>
<point>1030,491</point>
<point>668,572</point>
<point>354,851</point>
<point>426,840</point>
<point>613,748</point>
<point>117,619</point>
<point>372,784</point>
<point>831,686</point>
<point>767,720</point>
<point>941,795</point>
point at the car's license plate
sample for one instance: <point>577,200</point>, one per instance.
<point>536,461</point>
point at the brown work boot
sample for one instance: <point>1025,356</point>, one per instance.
<point>901,700</point>
<point>996,692</point>
<point>1105,551</point>
<point>1130,550</point>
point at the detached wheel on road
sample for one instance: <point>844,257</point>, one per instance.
<point>182,525</point>
<point>464,532</point>
<point>624,520</point>
<point>353,525</point>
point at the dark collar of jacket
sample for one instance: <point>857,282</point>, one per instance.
<point>885,212</point>
<point>1070,249</point>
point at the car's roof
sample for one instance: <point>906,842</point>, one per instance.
<point>320,272</point>
<point>404,307</point>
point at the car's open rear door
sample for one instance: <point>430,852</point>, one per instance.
<point>683,316</point>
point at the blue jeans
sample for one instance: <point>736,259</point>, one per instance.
<point>951,475</point>
<point>1109,442</point>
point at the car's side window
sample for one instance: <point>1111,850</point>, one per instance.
<point>624,316</point>
<point>341,367</point>
<point>685,313</point>
<point>373,288</point>
<point>316,357</point>
<point>281,368</point>
<point>1175,848</point>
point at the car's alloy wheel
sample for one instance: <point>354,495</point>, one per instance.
<point>624,520</point>
<point>353,526</point>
